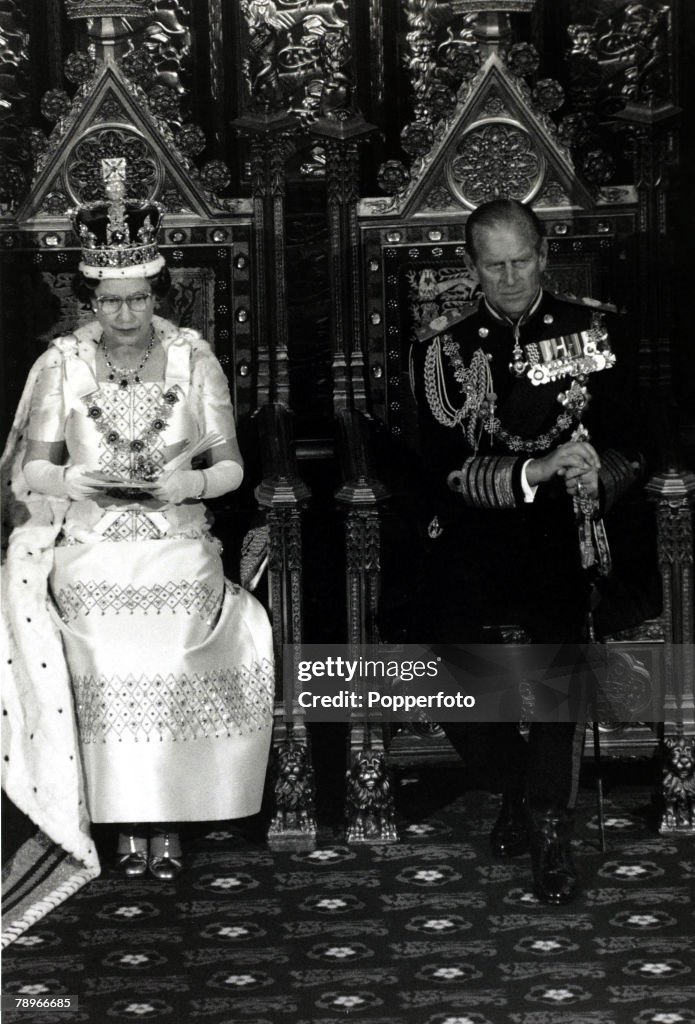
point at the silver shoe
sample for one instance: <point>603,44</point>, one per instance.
<point>165,860</point>
<point>132,855</point>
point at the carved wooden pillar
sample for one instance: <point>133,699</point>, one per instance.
<point>673,493</point>
<point>270,146</point>
<point>341,139</point>
<point>653,146</point>
<point>370,813</point>
<point>360,497</point>
<point>284,496</point>
<point>652,116</point>
<point>218,43</point>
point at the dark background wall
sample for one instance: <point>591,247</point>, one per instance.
<point>208,72</point>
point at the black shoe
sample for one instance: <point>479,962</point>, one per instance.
<point>554,873</point>
<point>510,833</point>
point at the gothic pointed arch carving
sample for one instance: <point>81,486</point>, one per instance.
<point>206,237</point>
<point>496,141</point>
<point>110,116</point>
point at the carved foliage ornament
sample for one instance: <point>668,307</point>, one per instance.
<point>440,100</point>
<point>625,55</point>
<point>111,110</point>
<point>83,169</point>
<point>417,138</point>
<point>55,202</point>
<point>440,198</point>
<point>626,692</point>
<point>15,105</point>
<point>554,195</point>
<point>79,67</point>
<point>215,175</point>
<point>440,58</point>
<point>139,67</point>
<point>191,139</point>
<point>167,39</point>
<point>298,58</point>
<point>523,59</point>
<point>32,143</point>
<point>158,64</point>
<point>363,542</point>
<point>393,177</point>
<point>442,55</point>
<point>341,173</point>
<point>548,95</point>
<point>164,102</point>
<point>494,106</point>
<point>598,166</point>
<point>55,104</point>
<point>675,532</point>
<point>462,57</point>
<point>494,159</point>
<point>13,184</point>
<point>578,129</point>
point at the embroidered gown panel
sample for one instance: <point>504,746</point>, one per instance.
<point>171,664</point>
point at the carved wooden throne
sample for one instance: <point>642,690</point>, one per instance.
<point>498,139</point>
<point>216,250</point>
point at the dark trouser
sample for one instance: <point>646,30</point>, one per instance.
<point>509,569</point>
<point>547,765</point>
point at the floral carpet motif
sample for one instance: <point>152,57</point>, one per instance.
<point>429,930</point>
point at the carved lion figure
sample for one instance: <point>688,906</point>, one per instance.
<point>369,804</point>
<point>294,790</point>
<point>679,783</point>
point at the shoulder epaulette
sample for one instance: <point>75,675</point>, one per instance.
<point>446,320</point>
<point>601,307</point>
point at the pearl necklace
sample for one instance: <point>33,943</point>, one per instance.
<point>127,376</point>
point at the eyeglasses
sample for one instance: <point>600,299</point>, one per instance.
<point>112,304</point>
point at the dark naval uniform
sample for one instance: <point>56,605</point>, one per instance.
<point>493,558</point>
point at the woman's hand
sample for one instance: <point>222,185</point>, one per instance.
<point>182,484</point>
<point>73,482</point>
<point>575,461</point>
<point>178,486</point>
<point>79,483</point>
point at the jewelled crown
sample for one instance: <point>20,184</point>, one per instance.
<point>119,236</point>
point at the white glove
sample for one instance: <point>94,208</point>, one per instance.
<point>177,486</point>
<point>181,484</point>
<point>221,478</point>
<point>60,482</point>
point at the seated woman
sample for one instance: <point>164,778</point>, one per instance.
<point>170,664</point>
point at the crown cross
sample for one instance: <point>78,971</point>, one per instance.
<point>119,236</point>
<point>113,173</point>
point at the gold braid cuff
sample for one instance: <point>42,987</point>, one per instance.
<point>486,481</point>
<point>616,475</point>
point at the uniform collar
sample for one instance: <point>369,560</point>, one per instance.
<point>526,315</point>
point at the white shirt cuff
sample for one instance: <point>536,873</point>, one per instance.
<point>529,491</point>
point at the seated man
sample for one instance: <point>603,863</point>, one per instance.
<point>520,464</point>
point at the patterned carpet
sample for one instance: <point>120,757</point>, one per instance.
<point>426,931</point>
